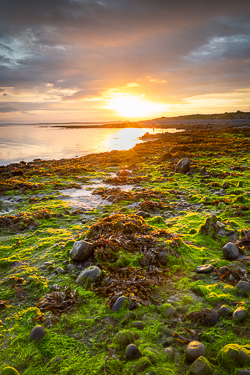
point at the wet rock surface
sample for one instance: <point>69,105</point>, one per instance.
<point>194,350</point>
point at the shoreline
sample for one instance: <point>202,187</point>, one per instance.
<point>169,230</point>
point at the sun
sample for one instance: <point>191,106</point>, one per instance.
<point>131,106</point>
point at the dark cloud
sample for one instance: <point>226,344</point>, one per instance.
<point>7,108</point>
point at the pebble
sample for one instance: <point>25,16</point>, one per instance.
<point>37,333</point>
<point>240,313</point>
<point>71,267</point>
<point>132,352</point>
<point>230,251</point>
<point>206,268</point>
<point>200,366</point>
<point>60,270</point>
<point>194,350</point>
<point>118,303</point>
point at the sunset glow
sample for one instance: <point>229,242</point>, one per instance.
<point>130,106</point>
<point>82,60</point>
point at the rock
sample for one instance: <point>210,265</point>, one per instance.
<point>37,333</point>
<point>132,352</point>
<point>118,303</point>
<point>143,214</point>
<point>233,352</point>
<point>200,366</point>
<point>243,287</point>
<point>60,270</point>
<point>169,353</point>
<point>240,313</point>
<point>194,350</point>
<point>243,372</point>
<point>206,268</point>
<point>139,325</point>
<point>71,267</point>
<point>9,371</point>
<point>183,166</point>
<point>225,310</point>
<point>124,338</point>
<point>91,273</point>
<point>81,251</point>
<point>210,227</point>
<point>131,315</point>
<point>167,310</point>
<point>230,251</point>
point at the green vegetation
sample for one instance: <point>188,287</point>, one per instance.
<point>151,259</point>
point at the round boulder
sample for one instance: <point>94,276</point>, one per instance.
<point>91,273</point>
<point>230,251</point>
<point>225,310</point>
<point>194,350</point>
<point>240,313</point>
<point>201,366</point>
<point>132,352</point>
<point>81,251</point>
<point>243,287</point>
<point>233,352</point>
<point>37,333</point>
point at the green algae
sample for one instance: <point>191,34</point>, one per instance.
<point>79,340</point>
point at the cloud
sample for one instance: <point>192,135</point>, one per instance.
<point>72,51</point>
<point>8,108</point>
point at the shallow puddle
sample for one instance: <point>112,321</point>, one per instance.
<point>85,199</point>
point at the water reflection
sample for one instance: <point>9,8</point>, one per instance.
<point>28,142</point>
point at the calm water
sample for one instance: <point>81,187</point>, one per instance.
<point>28,142</point>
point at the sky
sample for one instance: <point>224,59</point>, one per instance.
<point>109,60</point>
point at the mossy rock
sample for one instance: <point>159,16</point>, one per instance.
<point>9,371</point>
<point>192,231</point>
<point>157,220</point>
<point>234,354</point>
<point>123,338</point>
<point>141,365</point>
<point>167,310</point>
<point>201,366</point>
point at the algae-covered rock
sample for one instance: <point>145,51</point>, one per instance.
<point>243,287</point>
<point>91,273</point>
<point>123,338</point>
<point>194,350</point>
<point>234,353</point>
<point>240,313</point>
<point>157,220</point>
<point>210,228</point>
<point>167,310</point>
<point>9,371</point>
<point>225,310</point>
<point>81,251</point>
<point>201,366</point>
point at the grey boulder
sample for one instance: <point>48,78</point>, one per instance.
<point>91,273</point>
<point>230,251</point>
<point>194,350</point>
<point>81,251</point>
<point>206,268</point>
<point>37,333</point>
<point>183,166</point>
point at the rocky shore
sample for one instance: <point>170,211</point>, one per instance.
<point>155,279</point>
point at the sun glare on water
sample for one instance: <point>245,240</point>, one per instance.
<point>131,106</point>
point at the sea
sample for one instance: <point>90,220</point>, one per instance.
<point>50,141</point>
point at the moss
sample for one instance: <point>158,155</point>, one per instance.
<point>123,338</point>
<point>9,371</point>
